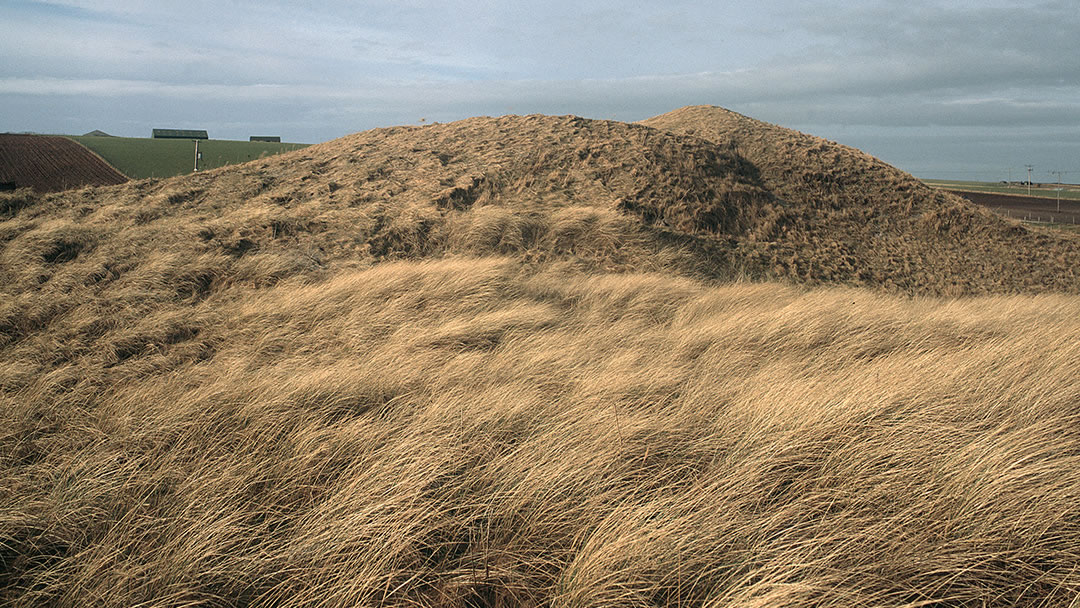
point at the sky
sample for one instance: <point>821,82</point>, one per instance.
<point>960,89</point>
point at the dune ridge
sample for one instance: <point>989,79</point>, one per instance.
<point>536,361</point>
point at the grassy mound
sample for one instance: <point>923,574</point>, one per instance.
<point>596,195</point>
<point>514,361</point>
<point>749,200</point>
<point>851,218</point>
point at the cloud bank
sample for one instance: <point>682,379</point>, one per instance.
<point>890,78</point>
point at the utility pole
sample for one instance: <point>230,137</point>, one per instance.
<point>1029,168</point>
<point>196,155</point>
<point>1058,189</point>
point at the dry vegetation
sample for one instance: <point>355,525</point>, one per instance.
<point>520,361</point>
<point>848,217</point>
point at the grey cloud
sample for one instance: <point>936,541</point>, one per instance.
<point>947,46</point>
<point>765,93</point>
<point>871,70</point>
<point>921,112</point>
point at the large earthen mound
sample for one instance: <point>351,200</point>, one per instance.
<point>418,367</point>
<point>603,196</point>
<point>851,218</point>
<point>702,192</point>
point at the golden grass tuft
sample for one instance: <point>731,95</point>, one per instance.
<point>468,432</point>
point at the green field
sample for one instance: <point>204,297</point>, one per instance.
<point>140,158</point>
<point>1068,191</point>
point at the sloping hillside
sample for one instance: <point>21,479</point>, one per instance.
<point>513,362</point>
<point>52,164</point>
<point>850,217</point>
<point>597,196</point>
<point>803,169</point>
<point>590,194</point>
<point>750,200</point>
<point>456,433</point>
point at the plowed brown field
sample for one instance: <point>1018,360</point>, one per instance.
<point>1034,208</point>
<point>52,164</point>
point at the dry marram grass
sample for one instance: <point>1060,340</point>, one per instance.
<point>458,433</point>
<point>268,386</point>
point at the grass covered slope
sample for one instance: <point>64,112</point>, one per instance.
<point>848,217</point>
<point>462,433</point>
<point>605,194</point>
<point>597,195</point>
<point>504,362</point>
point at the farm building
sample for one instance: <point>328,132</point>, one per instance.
<point>179,134</point>
<point>267,138</point>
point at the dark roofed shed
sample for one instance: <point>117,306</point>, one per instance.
<point>179,134</point>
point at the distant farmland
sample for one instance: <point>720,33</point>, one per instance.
<point>140,158</point>
<point>1010,200</point>
<point>51,164</point>
<point>1045,190</point>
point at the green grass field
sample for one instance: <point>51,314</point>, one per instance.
<point>139,158</point>
<point>1068,191</point>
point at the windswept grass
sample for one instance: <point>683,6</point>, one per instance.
<point>849,217</point>
<point>465,432</point>
<point>535,361</point>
